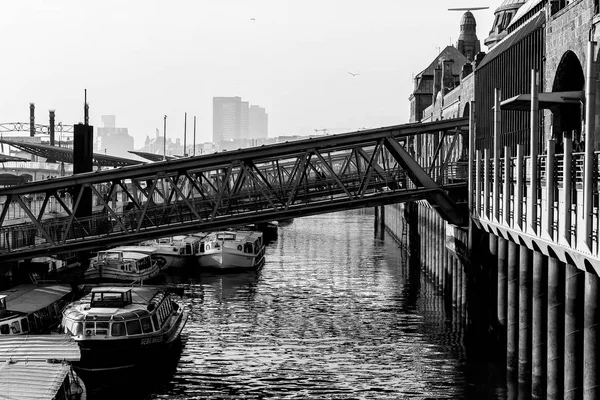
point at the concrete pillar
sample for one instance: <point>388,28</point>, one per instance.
<point>574,295</point>
<point>591,324</point>
<point>512,327</point>
<point>525,314</point>
<point>492,277</point>
<point>539,325</point>
<point>454,267</point>
<point>556,313</point>
<point>502,289</point>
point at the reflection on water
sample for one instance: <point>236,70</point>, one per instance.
<point>334,314</point>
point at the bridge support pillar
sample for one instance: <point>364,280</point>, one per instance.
<point>512,334</point>
<point>525,301</point>
<point>454,266</point>
<point>539,325</point>
<point>502,291</point>
<point>591,381</point>
<point>574,332</point>
<point>556,329</point>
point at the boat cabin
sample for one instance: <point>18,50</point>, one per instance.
<point>110,297</point>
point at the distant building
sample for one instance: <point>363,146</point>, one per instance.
<point>112,140</point>
<point>259,123</point>
<point>237,124</point>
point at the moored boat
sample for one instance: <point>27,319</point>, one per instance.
<point>122,265</point>
<point>232,250</point>
<point>174,251</point>
<point>122,327</point>
<point>33,308</point>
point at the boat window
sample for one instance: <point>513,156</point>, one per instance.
<point>4,329</point>
<point>15,327</point>
<point>155,320</point>
<point>146,325</point>
<point>117,329</point>
<point>101,328</point>
<point>25,325</point>
<point>134,327</point>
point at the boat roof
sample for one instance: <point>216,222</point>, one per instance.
<point>22,380</point>
<point>32,297</point>
<point>137,249</point>
<point>127,254</point>
<point>239,235</point>
<point>38,348</point>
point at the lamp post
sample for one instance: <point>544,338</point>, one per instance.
<point>165,139</point>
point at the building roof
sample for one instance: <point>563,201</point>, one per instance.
<point>61,154</point>
<point>513,38</point>
<point>525,8</point>
<point>449,53</point>
<point>151,156</point>
<point>545,100</point>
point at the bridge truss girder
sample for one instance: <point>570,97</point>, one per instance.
<point>225,189</point>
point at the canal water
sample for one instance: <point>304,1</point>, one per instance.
<point>335,313</point>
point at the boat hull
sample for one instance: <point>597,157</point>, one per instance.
<point>114,355</point>
<point>229,260</point>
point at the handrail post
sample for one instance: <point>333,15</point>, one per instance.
<point>590,129</point>
<point>486,184</point>
<point>533,152</point>
<point>567,185</point>
<point>497,130</point>
<point>518,214</point>
<point>477,183</point>
<point>507,182</point>
<point>550,187</point>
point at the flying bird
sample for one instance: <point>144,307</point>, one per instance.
<point>353,74</point>
<point>252,19</point>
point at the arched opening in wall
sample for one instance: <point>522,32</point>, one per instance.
<point>569,77</point>
<point>464,136</point>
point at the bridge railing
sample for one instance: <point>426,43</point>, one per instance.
<point>556,214</point>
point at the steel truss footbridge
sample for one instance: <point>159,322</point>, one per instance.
<point>230,188</point>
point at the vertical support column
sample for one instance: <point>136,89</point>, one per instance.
<point>574,295</point>
<point>512,328</point>
<point>493,280</point>
<point>556,329</point>
<point>502,288</point>
<point>590,128</point>
<point>454,267</point>
<point>539,325</point>
<point>518,200</point>
<point>591,324</point>
<point>497,148</point>
<point>472,156</point>
<point>532,197</point>
<point>506,190</point>
<point>565,234</point>
<point>550,188</point>
<point>525,302</point>
<point>51,128</point>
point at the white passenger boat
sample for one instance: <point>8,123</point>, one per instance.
<point>122,264</point>
<point>34,308</point>
<point>174,251</point>
<point>122,327</point>
<point>232,250</point>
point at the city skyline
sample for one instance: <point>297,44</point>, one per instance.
<point>310,65</point>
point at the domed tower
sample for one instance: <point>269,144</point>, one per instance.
<point>468,44</point>
<point>502,18</point>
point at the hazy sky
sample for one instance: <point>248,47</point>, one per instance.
<point>140,60</point>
